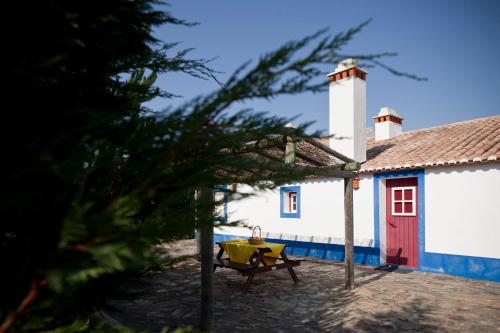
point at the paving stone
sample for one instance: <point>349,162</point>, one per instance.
<point>273,316</point>
<point>300,311</point>
<point>381,302</point>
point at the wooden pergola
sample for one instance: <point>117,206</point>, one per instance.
<point>279,151</point>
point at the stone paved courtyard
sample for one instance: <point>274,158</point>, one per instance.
<point>398,301</point>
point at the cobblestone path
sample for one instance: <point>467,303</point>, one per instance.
<point>399,301</point>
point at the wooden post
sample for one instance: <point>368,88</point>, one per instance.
<point>349,233</point>
<point>205,222</point>
<point>198,242</point>
<point>290,152</point>
<point>197,224</point>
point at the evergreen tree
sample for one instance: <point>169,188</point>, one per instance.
<point>93,180</point>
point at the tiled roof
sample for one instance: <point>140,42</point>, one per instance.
<point>470,141</point>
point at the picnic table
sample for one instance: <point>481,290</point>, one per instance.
<point>250,260</point>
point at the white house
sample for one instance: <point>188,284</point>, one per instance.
<point>428,199</point>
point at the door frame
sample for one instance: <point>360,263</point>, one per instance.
<point>379,195</point>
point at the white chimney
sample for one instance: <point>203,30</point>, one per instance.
<point>387,124</point>
<point>348,110</point>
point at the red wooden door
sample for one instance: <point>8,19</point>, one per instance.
<point>402,222</point>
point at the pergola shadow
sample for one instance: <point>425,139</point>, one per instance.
<point>286,153</point>
<point>319,303</point>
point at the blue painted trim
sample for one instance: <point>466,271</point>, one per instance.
<point>421,217</point>
<point>220,237</point>
<point>362,255</point>
<point>466,266</point>
<point>224,188</point>
<point>286,189</point>
<point>376,212</point>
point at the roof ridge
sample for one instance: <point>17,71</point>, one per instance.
<point>451,124</point>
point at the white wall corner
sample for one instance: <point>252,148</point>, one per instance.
<point>382,220</point>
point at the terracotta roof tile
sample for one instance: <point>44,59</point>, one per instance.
<point>475,140</point>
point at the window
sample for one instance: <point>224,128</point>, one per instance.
<point>220,200</point>
<point>290,202</point>
<point>403,201</point>
<point>292,198</point>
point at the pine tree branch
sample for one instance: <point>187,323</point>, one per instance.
<point>29,299</point>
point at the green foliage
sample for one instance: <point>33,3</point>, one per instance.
<point>93,179</point>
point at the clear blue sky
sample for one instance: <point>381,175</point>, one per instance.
<point>455,44</point>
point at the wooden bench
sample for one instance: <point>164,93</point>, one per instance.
<point>257,265</point>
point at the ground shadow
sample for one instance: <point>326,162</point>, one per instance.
<point>414,316</point>
<point>383,301</point>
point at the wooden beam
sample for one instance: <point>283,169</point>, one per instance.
<point>308,158</point>
<point>349,166</point>
<point>328,150</point>
<point>290,152</point>
<point>269,156</point>
<point>352,166</point>
<point>226,170</point>
<point>349,233</point>
<point>252,172</point>
<point>205,219</point>
<point>279,141</point>
<point>336,171</point>
<point>269,142</point>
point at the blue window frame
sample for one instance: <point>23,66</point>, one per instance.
<point>290,202</point>
<point>220,195</point>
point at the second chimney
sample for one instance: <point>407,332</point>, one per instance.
<point>387,124</point>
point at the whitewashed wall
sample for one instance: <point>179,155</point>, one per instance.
<point>347,102</point>
<point>382,219</point>
<point>322,213</point>
<point>462,210</point>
